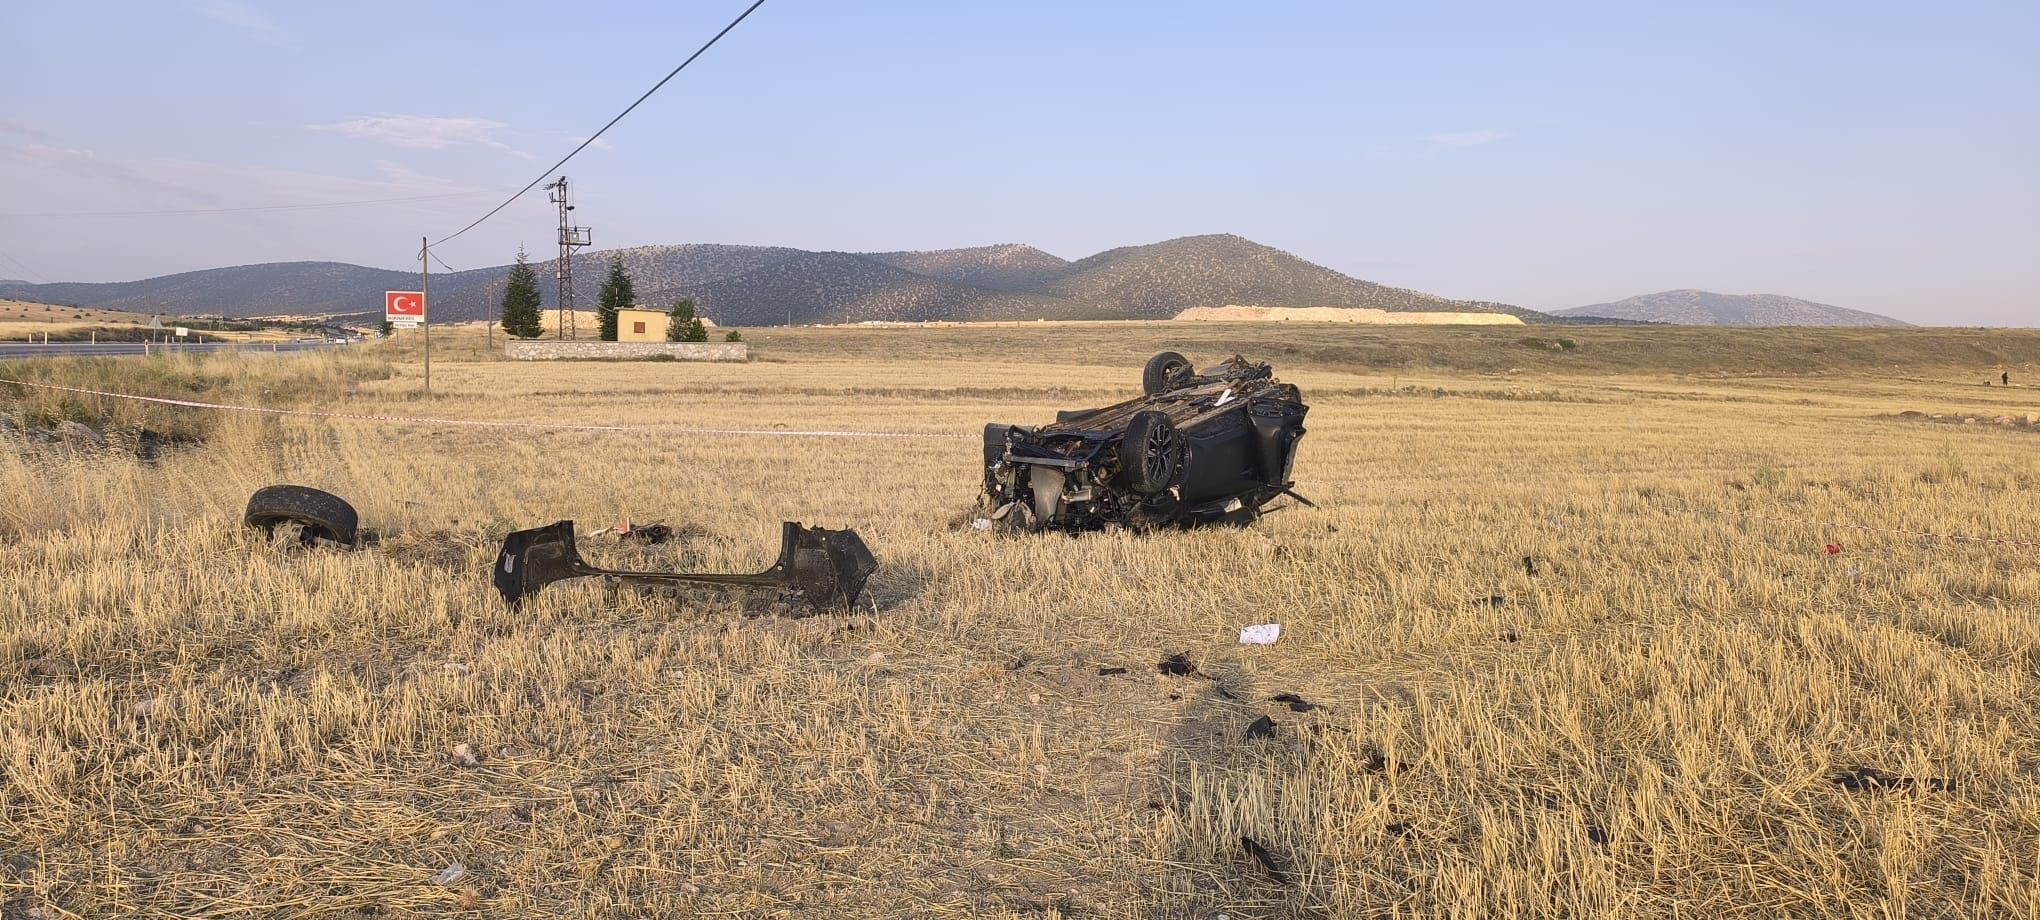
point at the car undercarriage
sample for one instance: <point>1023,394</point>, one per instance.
<point>1200,447</point>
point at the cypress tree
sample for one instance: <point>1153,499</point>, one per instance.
<point>678,318</point>
<point>617,294</point>
<point>521,300</point>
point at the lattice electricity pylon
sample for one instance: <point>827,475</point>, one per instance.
<point>571,238</point>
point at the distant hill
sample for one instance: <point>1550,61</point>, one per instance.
<point>1159,280</point>
<point>769,285</point>
<point>1011,267</point>
<point>298,288</point>
<point>842,287</point>
<point>1706,308</point>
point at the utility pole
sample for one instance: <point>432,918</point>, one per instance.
<point>425,294</point>
<point>571,238</point>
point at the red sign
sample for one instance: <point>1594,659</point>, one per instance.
<point>399,305</point>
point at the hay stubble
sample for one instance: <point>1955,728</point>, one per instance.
<point>1648,723</point>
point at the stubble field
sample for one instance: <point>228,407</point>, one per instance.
<point>1569,615</point>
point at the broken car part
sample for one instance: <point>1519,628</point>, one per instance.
<point>320,516</point>
<point>640,534</point>
<point>819,566</point>
<point>1200,447</point>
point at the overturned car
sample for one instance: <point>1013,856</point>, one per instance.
<point>1210,446</point>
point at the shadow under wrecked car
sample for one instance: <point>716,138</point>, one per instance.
<point>1199,447</point>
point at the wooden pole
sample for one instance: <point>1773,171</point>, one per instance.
<point>425,294</point>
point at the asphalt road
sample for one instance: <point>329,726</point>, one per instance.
<point>114,349</point>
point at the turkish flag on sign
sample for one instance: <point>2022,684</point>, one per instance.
<point>404,303</point>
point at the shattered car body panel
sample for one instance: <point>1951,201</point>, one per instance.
<point>819,566</point>
<point>1201,447</point>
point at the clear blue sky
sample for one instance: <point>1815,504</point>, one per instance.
<point>1871,155</point>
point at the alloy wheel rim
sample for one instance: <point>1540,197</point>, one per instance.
<point>1160,442</point>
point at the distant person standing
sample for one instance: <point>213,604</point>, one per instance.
<point>2005,378</point>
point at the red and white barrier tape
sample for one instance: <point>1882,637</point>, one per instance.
<point>483,423</point>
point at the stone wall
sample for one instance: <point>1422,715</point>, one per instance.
<point>553,350</point>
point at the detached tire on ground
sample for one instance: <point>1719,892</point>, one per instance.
<point>320,515</point>
<point>1162,372</point>
<point>1150,453</point>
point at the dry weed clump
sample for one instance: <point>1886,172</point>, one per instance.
<point>1555,657</point>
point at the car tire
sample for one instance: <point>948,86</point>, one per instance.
<point>320,515</point>
<point>1162,372</point>
<point>1150,453</point>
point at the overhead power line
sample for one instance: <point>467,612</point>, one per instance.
<point>612,123</point>
<point>312,206</point>
<point>17,263</point>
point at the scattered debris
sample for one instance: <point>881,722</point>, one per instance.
<point>154,705</point>
<point>1509,635</point>
<point>320,517</point>
<point>1262,727</point>
<point>453,872</point>
<point>1260,634</point>
<point>1871,779</point>
<point>1199,448</point>
<point>1398,828</point>
<point>1110,672</point>
<point>641,534</point>
<point>1377,762</point>
<point>79,434</point>
<point>464,756</point>
<point>1178,665</point>
<point>1529,566</point>
<point>646,535</point>
<point>817,565</point>
<point>1833,549</point>
<point>1597,835</point>
<point>1492,600</point>
<point>1268,862</point>
<point>48,667</point>
<point>1296,703</point>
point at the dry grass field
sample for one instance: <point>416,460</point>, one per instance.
<point>1577,645</point>
<point>22,321</point>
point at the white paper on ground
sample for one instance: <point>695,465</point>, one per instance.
<point>1260,634</point>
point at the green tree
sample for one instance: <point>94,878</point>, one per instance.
<point>696,331</point>
<point>733,336</point>
<point>617,294</point>
<point>678,318</point>
<point>387,329</point>
<point>521,301</point>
